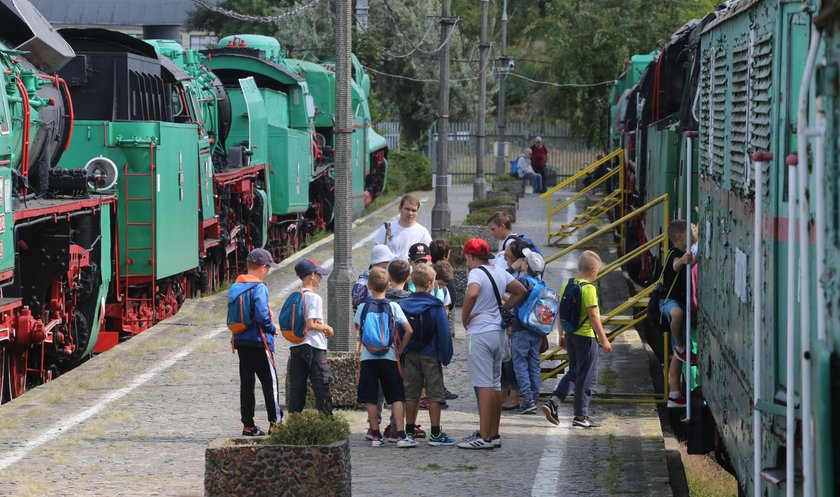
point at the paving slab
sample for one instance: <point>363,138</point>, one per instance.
<point>135,420</point>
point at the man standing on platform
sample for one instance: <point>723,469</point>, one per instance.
<point>400,236</point>
<point>539,158</point>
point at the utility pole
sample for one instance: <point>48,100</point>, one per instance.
<point>480,185</point>
<point>441,215</point>
<point>504,69</point>
<point>341,278</point>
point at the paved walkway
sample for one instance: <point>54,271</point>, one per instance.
<point>135,421</point>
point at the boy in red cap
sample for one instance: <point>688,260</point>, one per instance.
<point>309,358</point>
<point>487,341</point>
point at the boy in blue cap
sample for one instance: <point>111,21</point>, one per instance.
<point>309,358</point>
<point>255,346</point>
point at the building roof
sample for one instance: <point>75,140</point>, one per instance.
<point>116,12</point>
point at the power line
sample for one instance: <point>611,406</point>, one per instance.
<point>416,80</point>
<point>562,85</point>
<point>252,18</point>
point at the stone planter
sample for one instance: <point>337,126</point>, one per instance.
<point>343,369</point>
<point>239,466</point>
<point>473,232</point>
<point>513,186</point>
<point>459,285</point>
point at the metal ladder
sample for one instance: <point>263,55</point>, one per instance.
<point>132,228</point>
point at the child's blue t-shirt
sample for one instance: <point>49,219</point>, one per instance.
<point>399,318</point>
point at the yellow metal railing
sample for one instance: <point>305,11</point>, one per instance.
<point>596,210</point>
<point>616,320</point>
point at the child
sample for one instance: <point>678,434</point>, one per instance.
<point>309,359</point>
<point>399,272</point>
<point>255,346</point>
<point>382,371</point>
<point>486,339</point>
<point>673,305</point>
<point>525,344</point>
<point>582,347</point>
<point>380,256</point>
<point>426,353</point>
<point>500,227</point>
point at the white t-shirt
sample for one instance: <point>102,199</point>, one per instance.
<point>399,318</point>
<point>403,238</point>
<point>500,261</point>
<point>485,313</point>
<point>314,309</point>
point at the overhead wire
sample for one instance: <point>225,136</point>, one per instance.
<point>252,18</point>
<point>562,85</point>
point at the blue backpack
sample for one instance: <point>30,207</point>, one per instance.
<point>540,310</point>
<point>514,167</point>
<point>293,319</point>
<point>240,312</point>
<point>570,306</point>
<point>377,326</point>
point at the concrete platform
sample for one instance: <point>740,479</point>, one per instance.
<point>136,420</point>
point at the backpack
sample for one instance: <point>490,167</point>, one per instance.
<point>377,335</point>
<point>240,312</point>
<point>388,235</point>
<point>570,304</point>
<point>423,331</point>
<point>514,167</point>
<point>539,311</point>
<point>293,319</point>
<point>360,292</point>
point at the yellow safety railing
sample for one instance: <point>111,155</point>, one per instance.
<point>629,313</point>
<point>614,200</point>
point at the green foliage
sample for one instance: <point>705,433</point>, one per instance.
<point>479,217</point>
<point>309,428</point>
<point>491,202</point>
<point>408,171</point>
<point>460,240</point>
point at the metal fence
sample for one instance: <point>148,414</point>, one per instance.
<point>391,131</point>
<point>566,154</point>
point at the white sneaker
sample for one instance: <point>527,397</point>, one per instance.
<point>477,444</point>
<point>406,442</point>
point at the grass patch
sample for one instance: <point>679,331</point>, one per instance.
<point>479,217</point>
<point>432,467</point>
<point>705,477</point>
<point>465,466</point>
<point>310,428</point>
<point>491,202</point>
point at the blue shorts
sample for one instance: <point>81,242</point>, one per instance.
<point>665,307</point>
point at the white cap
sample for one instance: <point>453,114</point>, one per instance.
<point>535,260</point>
<point>379,254</point>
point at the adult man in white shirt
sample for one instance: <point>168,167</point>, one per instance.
<point>400,236</point>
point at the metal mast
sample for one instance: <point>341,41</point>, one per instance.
<point>341,278</point>
<point>441,215</point>
<point>480,185</point>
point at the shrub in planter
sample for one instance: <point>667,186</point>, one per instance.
<point>308,454</point>
<point>479,217</point>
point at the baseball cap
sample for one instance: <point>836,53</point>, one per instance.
<point>478,247</point>
<point>305,267</point>
<point>419,252</point>
<point>262,257</point>
<point>379,254</point>
<point>535,260</point>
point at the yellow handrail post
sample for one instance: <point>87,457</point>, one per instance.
<point>623,185</point>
